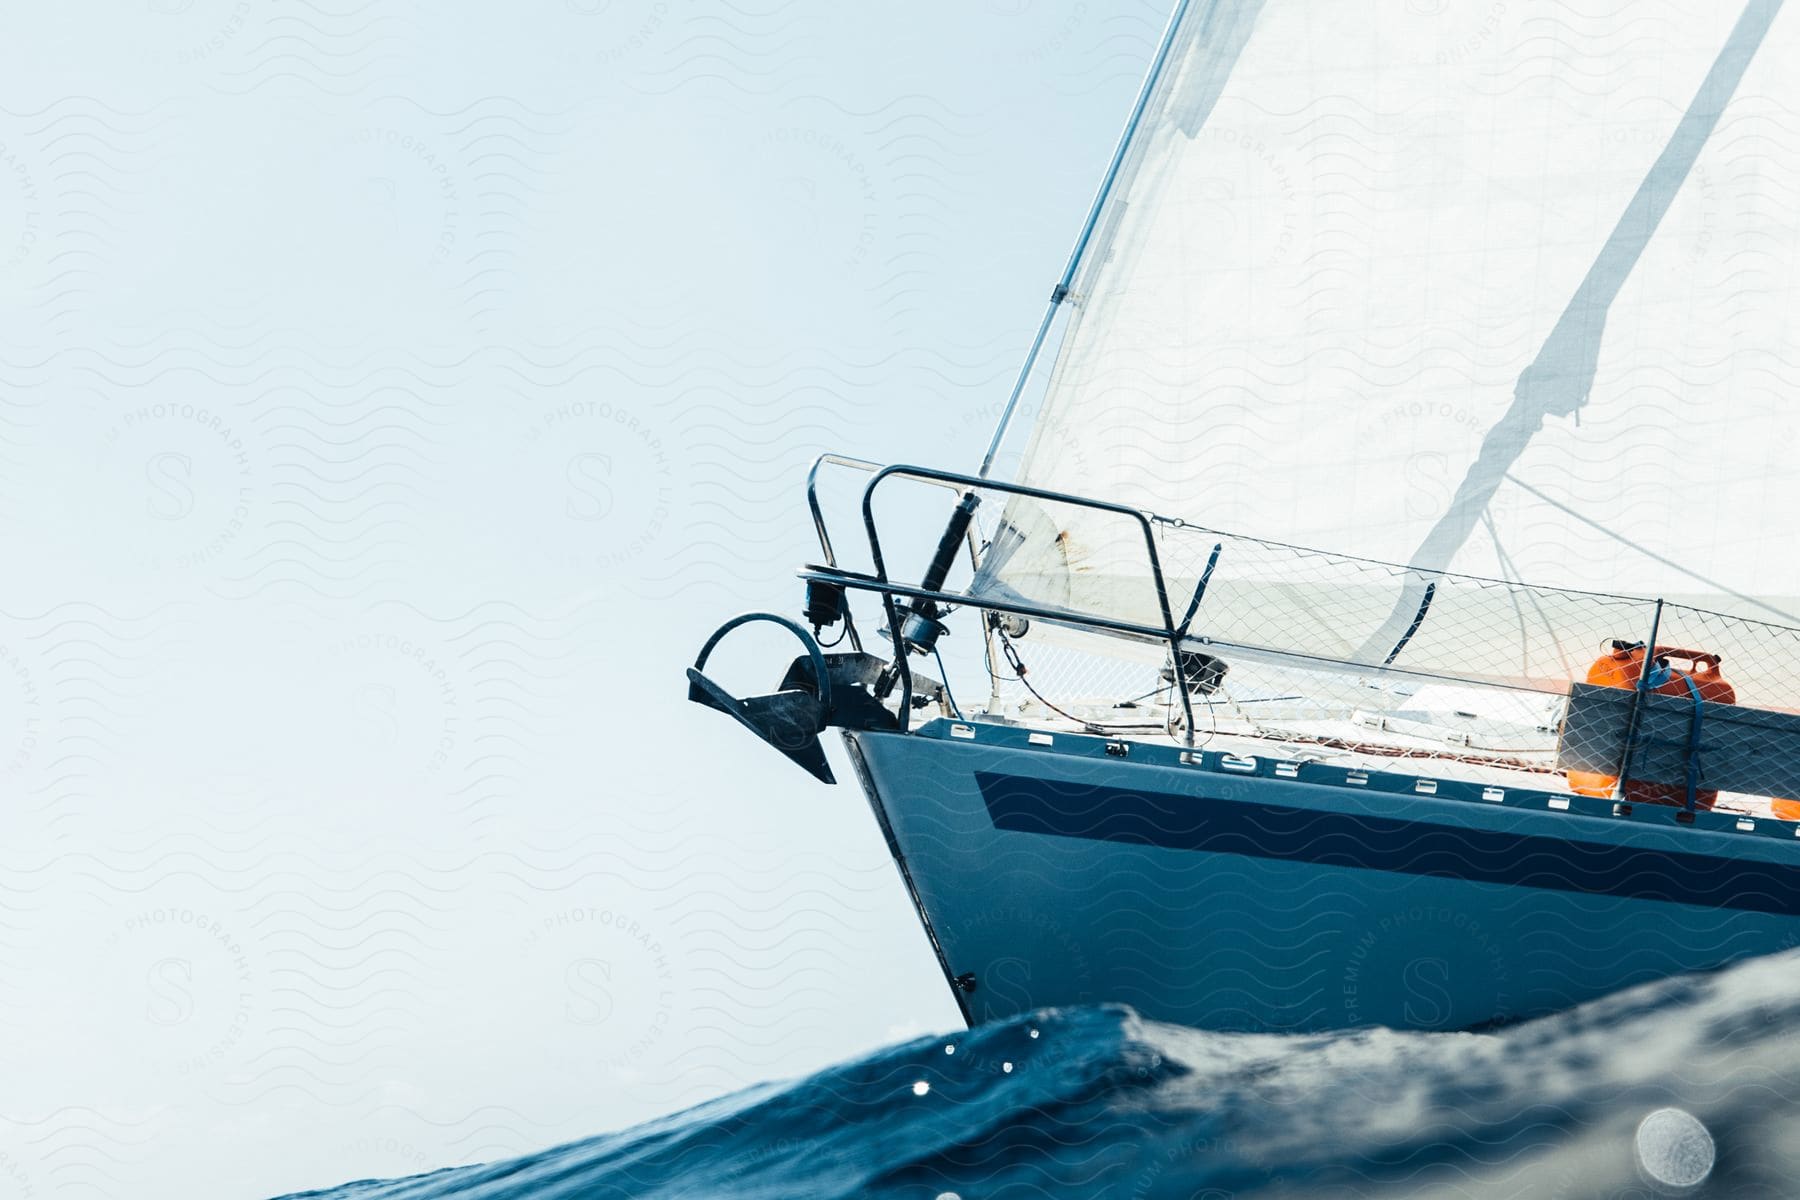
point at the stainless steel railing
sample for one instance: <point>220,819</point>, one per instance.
<point>1168,632</point>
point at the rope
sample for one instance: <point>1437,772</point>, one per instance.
<point>944,678</point>
<point>1020,671</point>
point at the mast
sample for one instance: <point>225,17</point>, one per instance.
<point>1101,195</point>
<point>918,629</point>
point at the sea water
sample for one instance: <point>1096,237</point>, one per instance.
<point>1686,1087</point>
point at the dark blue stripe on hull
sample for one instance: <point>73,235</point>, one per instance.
<point>1112,814</point>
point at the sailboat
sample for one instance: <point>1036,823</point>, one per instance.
<point>1393,613</point>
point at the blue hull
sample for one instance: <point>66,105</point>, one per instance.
<point>1258,895</point>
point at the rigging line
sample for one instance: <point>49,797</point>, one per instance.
<point>1418,620</point>
<point>1158,690</point>
<point>1651,554</point>
<point>1513,575</point>
<point>1509,572</point>
<point>1560,378</point>
<point>1019,672</point>
<point>1173,717</point>
<point>944,675</point>
<point>1101,195</point>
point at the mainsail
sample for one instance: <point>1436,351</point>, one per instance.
<point>1502,290</point>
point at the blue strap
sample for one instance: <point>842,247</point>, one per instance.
<point>1693,755</point>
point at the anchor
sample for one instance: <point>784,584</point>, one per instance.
<point>818,691</point>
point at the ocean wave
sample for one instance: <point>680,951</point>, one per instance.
<point>1687,1086</point>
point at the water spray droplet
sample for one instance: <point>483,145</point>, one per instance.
<point>921,1087</point>
<point>1674,1147</point>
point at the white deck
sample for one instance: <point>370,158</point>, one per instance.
<point>1446,743</point>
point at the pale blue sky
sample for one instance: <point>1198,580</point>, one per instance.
<point>394,397</point>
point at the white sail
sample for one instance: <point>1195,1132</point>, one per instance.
<point>1508,289</point>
